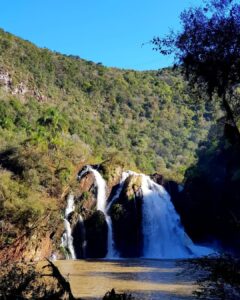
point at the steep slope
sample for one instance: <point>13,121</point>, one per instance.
<point>60,112</point>
<point>146,114</point>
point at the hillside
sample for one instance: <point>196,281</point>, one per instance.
<point>147,115</point>
<point>60,112</point>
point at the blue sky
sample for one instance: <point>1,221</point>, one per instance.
<point>106,31</point>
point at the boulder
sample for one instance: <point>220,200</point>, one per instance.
<point>96,235</point>
<point>158,178</point>
<point>126,214</point>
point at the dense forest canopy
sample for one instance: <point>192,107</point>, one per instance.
<point>149,116</point>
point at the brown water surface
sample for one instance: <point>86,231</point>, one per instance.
<point>144,279</point>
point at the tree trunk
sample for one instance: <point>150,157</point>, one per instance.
<point>231,129</point>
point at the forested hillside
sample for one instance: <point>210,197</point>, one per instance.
<point>148,116</point>
<point>60,112</point>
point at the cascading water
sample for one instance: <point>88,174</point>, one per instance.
<point>70,205</point>
<point>67,239</point>
<point>101,205</point>
<point>163,234</point>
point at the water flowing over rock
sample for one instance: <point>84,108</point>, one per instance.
<point>67,239</point>
<point>101,205</point>
<point>164,236</point>
<point>134,218</point>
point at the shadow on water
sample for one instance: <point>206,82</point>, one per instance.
<point>144,279</point>
<point>152,295</point>
<point>148,276</point>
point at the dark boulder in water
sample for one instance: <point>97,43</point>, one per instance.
<point>96,235</point>
<point>126,215</point>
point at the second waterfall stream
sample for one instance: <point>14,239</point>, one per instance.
<point>102,206</point>
<point>163,235</point>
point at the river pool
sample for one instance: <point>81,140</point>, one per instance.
<point>143,278</point>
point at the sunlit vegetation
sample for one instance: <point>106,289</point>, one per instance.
<point>59,112</point>
<point>149,115</point>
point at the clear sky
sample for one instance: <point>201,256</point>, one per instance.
<point>106,31</point>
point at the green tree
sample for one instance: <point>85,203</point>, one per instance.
<point>208,50</point>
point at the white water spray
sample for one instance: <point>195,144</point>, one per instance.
<point>67,239</point>
<point>101,205</point>
<point>163,234</point>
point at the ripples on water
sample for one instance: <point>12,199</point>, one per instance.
<point>144,279</point>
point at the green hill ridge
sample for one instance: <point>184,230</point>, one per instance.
<point>60,112</point>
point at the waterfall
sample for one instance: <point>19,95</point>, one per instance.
<point>163,234</point>
<point>101,190</point>
<point>111,252</point>
<point>70,205</point>
<point>101,205</point>
<point>67,239</point>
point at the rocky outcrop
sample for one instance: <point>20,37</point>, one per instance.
<point>158,178</point>
<point>20,89</point>
<point>94,242</point>
<point>37,242</point>
<point>126,214</point>
<point>96,235</point>
<point>5,80</point>
<point>112,171</point>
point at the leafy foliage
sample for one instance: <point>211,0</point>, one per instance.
<point>208,49</point>
<point>148,115</point>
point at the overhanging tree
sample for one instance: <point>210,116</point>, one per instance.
<point>208,50</point>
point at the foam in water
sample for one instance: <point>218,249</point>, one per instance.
<point>163,234</point>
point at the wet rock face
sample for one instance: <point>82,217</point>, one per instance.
<point>173,189</point>
<point>79,236</point>
<point>158,178</point>
<point>93,242</point>
<point>96,235</point>
<point>85,196</point>
<point>126,214</point>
